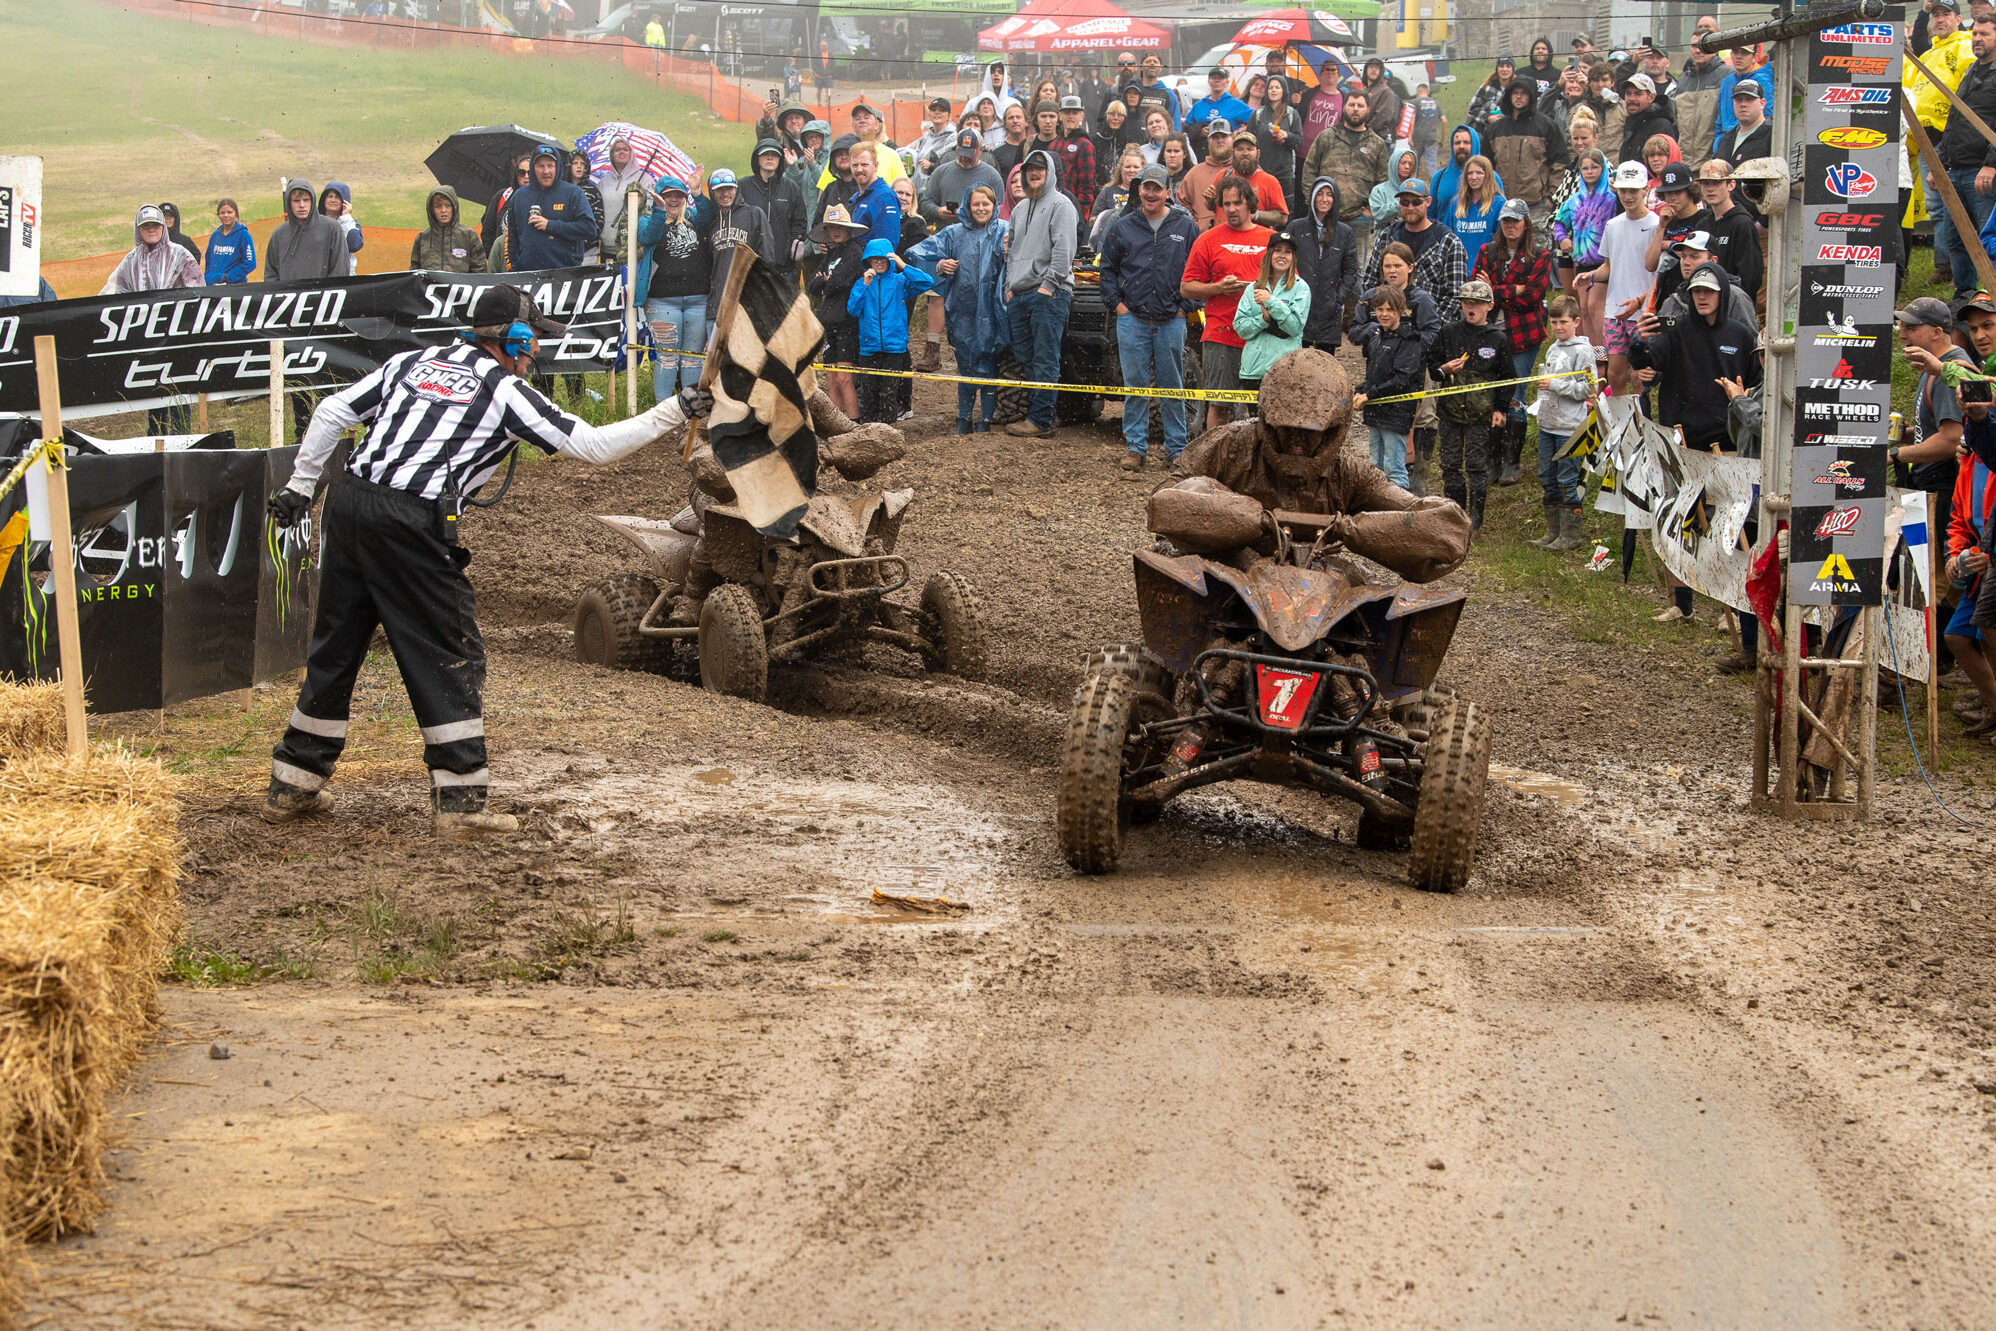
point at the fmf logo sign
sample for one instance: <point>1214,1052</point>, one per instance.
<point>1848,180</point>
<point>1852,137</point>
<point>1849,96</point>
<point>1860,34</point>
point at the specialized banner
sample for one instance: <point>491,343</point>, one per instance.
<point>185,588</point>
<point>1843,337</point>
<point>20,226</point>
<point>159,346</point>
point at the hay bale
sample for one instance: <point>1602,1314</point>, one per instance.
<point>31,719</point>
<point>89,850</point>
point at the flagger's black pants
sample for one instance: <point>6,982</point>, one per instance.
<point>385,562</point>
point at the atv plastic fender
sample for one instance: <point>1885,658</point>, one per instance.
<point>666,548</point>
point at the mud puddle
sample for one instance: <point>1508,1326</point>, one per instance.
<point>1566,794</point>
<point>763,845</point>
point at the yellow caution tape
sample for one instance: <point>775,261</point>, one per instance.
<point>47,448</point>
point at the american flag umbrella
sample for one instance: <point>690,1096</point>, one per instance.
<point>652,151</point>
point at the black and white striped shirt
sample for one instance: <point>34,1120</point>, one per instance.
<point>443,419</point>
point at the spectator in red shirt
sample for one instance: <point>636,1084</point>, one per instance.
<point>1224,263</point>
<point>1271,207</point>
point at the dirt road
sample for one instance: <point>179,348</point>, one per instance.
<point>660,1060</point>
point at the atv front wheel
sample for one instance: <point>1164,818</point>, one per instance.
<point>1091,811</point>
<point>953,625</point>
<point>1455,773</point>
<point>734,653</point>
<point>606,625</point>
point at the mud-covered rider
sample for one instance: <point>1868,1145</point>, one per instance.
<point>1292,456</point>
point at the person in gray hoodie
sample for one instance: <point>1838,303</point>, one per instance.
<point>307,243</point>
<point>1039,283</point>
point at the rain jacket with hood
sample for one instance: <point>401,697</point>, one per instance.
<point>1526,147</point>
<point>231,256</point>
<point>348,226</point>
<point>1698,92</point>
<point>1442,189</point>
<point>743,224</point>
<point>839,191</point>
<point>1043,235</point>
<point>771,127</point>
<point>1270,332</point>
<point>315,247</point>
<point>446,247</point>
<point>1355,158</point>
<point>611,187</point>
<point>809,166</point>
<point>171,211</point>
<point>881,305</point>
<point>1689,358</point>
<point>1384,201</point>
<point>780,203</point>
<point>161,267</point>
<point>1325,259</point>
<point>1581,218</point>
<point>973,296</point>
<point>571,227</point>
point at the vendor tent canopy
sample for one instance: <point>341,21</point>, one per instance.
<point>1072,25</point>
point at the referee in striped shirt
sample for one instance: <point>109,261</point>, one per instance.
<point>442,420</point>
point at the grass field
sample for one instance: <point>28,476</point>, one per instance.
<point>128,110</point>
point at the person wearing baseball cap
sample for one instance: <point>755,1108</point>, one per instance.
<point>1219,103</point>
<point>1646,114</point>
<point>943,191</point>
<point>1681,215</point>
<point>1745,132</point>
<point>154,263</point>
<point>442,420</point>
<point>1143,261</point>
<point>1518,271</point>
<point>1074,149</point>
<point>1926,328</point>
<point>733,223</point>
<point>1469,350</point>
<point>1624,271</point>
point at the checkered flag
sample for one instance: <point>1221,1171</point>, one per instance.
<point>760,428</point>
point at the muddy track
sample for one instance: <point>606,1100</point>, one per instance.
<point>1659,1063</point>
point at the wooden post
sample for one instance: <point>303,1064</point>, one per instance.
<point>62,553</point>
<point>201,413</point>
<point>1964,225</point>
<point>278,431</point>
<point>631,302</point>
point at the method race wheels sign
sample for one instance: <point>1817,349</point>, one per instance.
<point>1843,339</point>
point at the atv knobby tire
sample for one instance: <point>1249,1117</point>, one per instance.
<point>606,625</point>
<point>1138,662</point>
<point>1421,713</point>
<point>1455,772</point>
<point>1091,813</point>
<point>953,624</point>
<point>734,653</point>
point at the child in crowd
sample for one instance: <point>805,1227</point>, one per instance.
<point>1272,314</point>
<point>1563,405</point>
<point>1469,351</point>
<point>830,286</point>
<point>882,302</point>
<point>1392,351</point>
<point>1624,270</point>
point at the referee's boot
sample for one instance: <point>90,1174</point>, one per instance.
<point>459,813</point>
<point>287,803</point>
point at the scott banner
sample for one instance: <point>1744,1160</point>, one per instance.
<point>184,586</point>
<point>162,345</point>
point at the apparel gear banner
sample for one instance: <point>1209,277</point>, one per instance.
<point>155,347</point>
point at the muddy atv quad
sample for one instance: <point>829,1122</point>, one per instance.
<point>1298,669</point>
<point>826,588</point>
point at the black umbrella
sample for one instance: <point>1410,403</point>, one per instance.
<point>477,162</point>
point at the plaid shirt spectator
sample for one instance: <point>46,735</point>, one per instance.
<point>1519,284</point>
<point>1439,269</point>
<point>1075,152</point>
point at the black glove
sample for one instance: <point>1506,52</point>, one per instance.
<point>695,401</point>
<point>287,506</point>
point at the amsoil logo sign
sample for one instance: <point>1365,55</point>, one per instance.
<point>1838,474</point>
<point>1838,522</point>
<point>1852,136</point>
<point>1849,96</point>
<point>1860,34</point>
<point>1860,254</point>
<point>1864,66</point>
<point>1848,180</point>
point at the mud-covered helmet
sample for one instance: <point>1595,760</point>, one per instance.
<point>1305,390</point>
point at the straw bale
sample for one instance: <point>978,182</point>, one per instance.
<point>90,852</point>
<point>31,718</point>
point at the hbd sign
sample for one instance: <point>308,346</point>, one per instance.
<point>1843,335</point>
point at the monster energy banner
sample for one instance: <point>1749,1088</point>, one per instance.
<point>184,587</point>
<point>118,352</point>
<point>1843,338</point>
